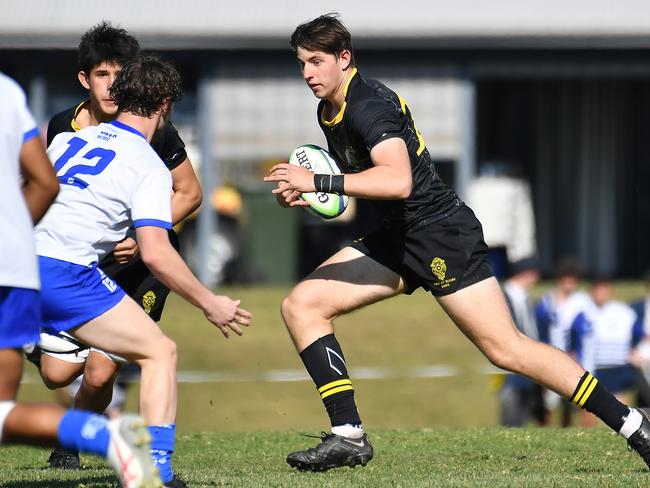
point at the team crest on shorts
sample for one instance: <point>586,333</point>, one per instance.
<point>439,269</point>
<point>148,301</point>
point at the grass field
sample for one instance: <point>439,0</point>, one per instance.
<point>478,457</point>
<point>427,431</point>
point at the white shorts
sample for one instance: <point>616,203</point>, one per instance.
<point>66,348</point>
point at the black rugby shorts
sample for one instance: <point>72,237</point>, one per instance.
<point>442,256</point>
<point>138,282</point>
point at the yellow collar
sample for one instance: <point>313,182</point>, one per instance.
<point>73,123</point>
<point>339,116</point>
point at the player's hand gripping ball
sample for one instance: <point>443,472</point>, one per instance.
<point>318,160</point>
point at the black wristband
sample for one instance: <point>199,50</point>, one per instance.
<point>329,183</point>
<point>337,185</point>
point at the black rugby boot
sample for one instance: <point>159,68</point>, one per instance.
<point>640,440</point>
<point>60,458</point>
<point>175,483</point>
<point>334,451</point>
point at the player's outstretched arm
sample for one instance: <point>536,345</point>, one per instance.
<point>41,185</point>
<point>168,266</point>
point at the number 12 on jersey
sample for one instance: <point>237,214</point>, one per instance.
<point>75,145</point>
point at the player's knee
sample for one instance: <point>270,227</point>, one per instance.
<point>98,377</point>
<point>503,354</point>
<point>288,310</point>
<point>54,378</point>
<point>497,357</point>
<point>298,306</point>
<point>165,350</point>
<point>54,382</point>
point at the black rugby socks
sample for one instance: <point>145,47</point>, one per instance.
<point>326,365</point>
<point>591,395</point>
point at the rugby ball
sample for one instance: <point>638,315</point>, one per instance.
<point>318,160</point>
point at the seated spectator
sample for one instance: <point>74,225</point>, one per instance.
<point>603,337</point>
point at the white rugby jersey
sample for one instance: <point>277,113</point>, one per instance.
<point>111,179</point>
<point>605,335</point>
<point>560,316</point>
<point>18,265</point>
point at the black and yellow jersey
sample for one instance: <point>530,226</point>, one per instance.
<point>370,114</point>
<point>166,141</point>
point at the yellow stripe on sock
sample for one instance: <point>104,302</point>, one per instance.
<point>336,390</point>
<point>582,389</point>
<point>333,384</point>
<point>588,392</point>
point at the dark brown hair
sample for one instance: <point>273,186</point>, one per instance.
<point>104,42</point>
<point>144,85</point>
<point>569,266</point>
<point>326,34</point>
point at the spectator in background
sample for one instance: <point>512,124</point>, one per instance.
<point>603,337</point>
<point>555,312</point>
<point>641,358</point>
<point>520,397</point>
<point>501,199</point>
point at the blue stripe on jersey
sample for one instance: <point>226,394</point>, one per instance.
<point>128,128</point>
<point>30,134</point>
<point>152,223</point>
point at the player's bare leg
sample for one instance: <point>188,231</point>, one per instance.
<point>57,373</point>
<point>128,331</point>
<point>345,282</point>
<point>26,423</point>
<point>481,313</point>
<point>488,324</point>
<point>50,425</point>
<point>96,390</point>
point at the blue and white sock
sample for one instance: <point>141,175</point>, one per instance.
<point>162,448</point>
<point>84,432</point>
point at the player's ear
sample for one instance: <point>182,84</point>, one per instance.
<point>83,79</point>
<point>346,57</point>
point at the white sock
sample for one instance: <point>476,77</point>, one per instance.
<point>632,423</point>
<point>348,430</point>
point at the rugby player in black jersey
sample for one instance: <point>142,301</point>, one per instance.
<point>102,53</point>
<point>428,238</point>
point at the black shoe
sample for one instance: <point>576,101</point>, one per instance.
<point>334,451</point>
<point>175,483</point>
<point>60,458</point>
<point>640,440</point>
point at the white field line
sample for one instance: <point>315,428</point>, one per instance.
<point>289,375</point>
